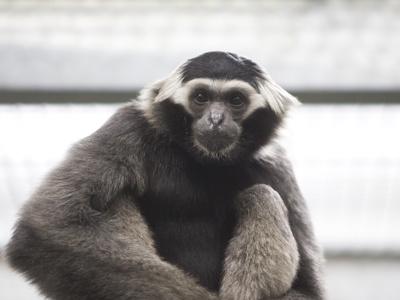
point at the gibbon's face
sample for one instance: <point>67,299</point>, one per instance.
<point>217,114</point>
<point>218,106</point>
<point>218,109</point>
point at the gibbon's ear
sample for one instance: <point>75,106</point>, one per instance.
<point>162,89</point>
<point>148,95</point>
<point>276,97</point>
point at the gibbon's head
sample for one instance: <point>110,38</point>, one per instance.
<point>218,106</point>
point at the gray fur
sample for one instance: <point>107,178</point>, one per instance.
<point>82,235</point>
<point>262,257</point>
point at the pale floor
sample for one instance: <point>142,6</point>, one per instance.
<point>347,279</point>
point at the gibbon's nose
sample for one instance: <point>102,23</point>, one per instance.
<point>216,118</point>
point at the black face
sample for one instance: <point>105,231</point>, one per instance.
<point>217,118</point>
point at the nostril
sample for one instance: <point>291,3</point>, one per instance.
<point>217,118</point>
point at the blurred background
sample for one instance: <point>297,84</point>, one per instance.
<point>65,67</point>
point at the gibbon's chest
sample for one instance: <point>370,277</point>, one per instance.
<point>189,209</point>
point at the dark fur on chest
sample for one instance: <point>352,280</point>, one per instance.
<point>189,208</point>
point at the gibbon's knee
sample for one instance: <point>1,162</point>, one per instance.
<point>262,207</point>
<point>264,247</point>
<point>262,197</point>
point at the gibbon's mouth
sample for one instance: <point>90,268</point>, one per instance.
<point>215,140</point>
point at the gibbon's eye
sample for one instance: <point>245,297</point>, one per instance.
<point>236,101</point>
<point>201,98</point>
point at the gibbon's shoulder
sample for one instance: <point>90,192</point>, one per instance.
<point>272,154</point>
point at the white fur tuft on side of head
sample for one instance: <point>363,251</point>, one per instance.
<point>279,100</point>
<point>162,89</point>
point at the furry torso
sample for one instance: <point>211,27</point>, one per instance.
<point>189,208</point>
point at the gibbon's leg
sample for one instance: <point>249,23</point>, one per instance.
<point>107,256</point>
<point>262,257</point>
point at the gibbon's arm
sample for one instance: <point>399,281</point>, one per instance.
<point>74,244</point>
<point>95,256</point>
